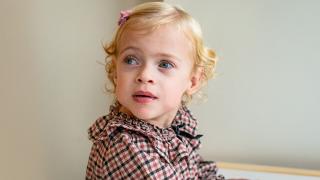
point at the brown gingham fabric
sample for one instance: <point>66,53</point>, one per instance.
<point>129,148</point>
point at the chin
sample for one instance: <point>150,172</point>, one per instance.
<point>143,113</point>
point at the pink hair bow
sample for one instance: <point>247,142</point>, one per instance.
<point>124,16</point>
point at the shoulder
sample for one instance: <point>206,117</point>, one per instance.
<point>117,137</point>
<point>126,154</point>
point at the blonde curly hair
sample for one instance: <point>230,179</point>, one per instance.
<point>150,16</point>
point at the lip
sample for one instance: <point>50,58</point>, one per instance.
<point>144,97</point>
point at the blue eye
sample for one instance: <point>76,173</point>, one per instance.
<point>131,60</point>
<point>166,65</point>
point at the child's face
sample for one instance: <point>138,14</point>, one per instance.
<point>152,72</point>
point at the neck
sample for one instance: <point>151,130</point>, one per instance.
<point>163,121</point>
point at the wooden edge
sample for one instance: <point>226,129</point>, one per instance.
<point>269,169</point>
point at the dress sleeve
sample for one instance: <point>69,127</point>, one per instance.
<point>122,159</point>
<point>208,170</point>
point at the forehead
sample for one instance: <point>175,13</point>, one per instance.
<point>166,39</point>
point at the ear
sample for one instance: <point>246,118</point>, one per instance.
<point>195,81</point>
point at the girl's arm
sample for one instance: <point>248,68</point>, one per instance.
<point>208,169</point>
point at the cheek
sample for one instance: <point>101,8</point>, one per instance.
<point>121,83</point>
<point>173,96</point>
<point>177,87</point>
<point>121,90</point>
<point>119,76</point>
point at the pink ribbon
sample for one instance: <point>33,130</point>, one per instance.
<point>124,16</point>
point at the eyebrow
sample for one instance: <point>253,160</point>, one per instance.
<point>128,48</point>
<point>168,56</point>
<point>161,54</point>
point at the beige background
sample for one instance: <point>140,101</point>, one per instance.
<point>264,104</point>
<point>262,107</point>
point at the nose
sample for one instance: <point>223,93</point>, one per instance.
<point>145,76</point>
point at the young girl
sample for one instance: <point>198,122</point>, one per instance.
<point>156,62</point>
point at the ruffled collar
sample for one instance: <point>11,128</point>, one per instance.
<point>184,124</point>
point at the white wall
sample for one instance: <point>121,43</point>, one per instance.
<point>51,84</point>
<point>263,107</point>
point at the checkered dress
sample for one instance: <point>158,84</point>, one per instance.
<point>129,148</point>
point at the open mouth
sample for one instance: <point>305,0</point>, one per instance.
<point>143,97</point>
